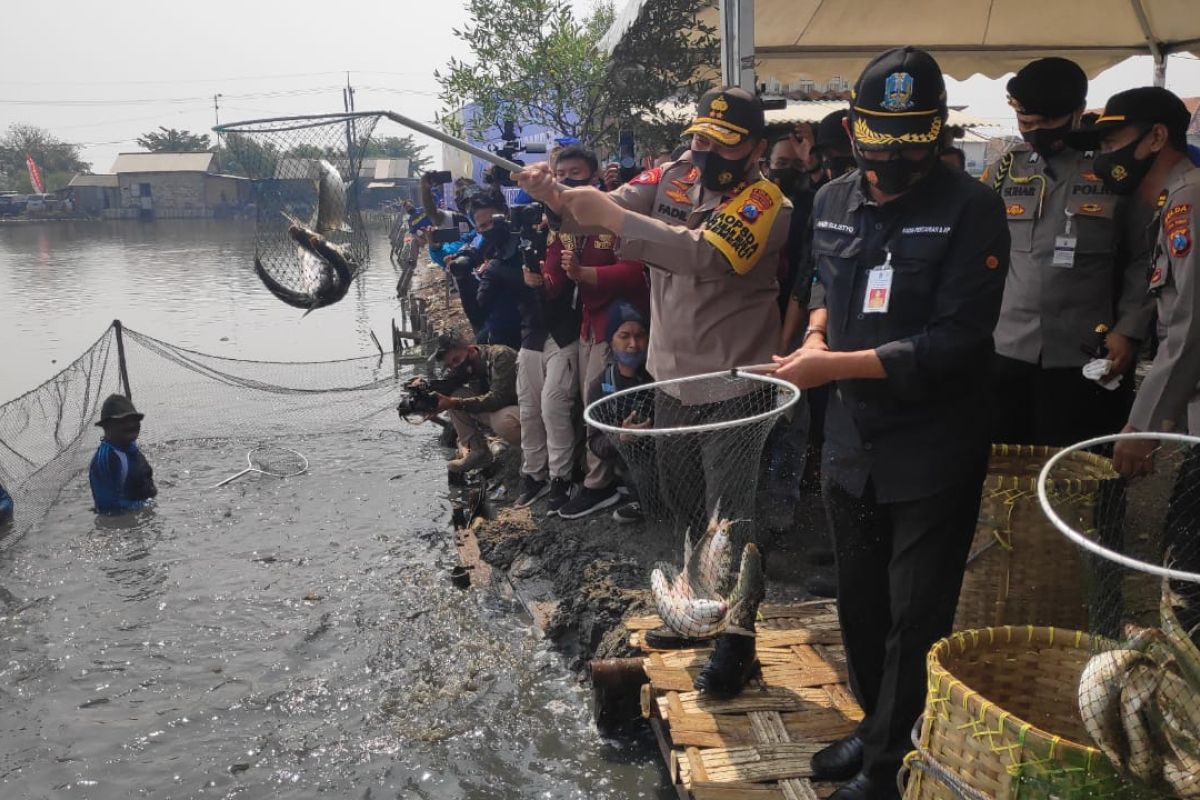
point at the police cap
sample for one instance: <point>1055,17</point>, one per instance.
<point>1048,87</point>
<point>1146,106</point>
<point>899,101</point>
<point>728,115</point>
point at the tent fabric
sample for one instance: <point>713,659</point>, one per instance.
<point>810,111</point>
<point>822,39</point>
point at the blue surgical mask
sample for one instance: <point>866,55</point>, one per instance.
<point>631,360</point>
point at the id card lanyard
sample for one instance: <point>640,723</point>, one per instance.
<point>878,295</point>
<point>1064,246</point>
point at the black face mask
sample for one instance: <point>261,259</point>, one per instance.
<point>788,179</point>
<point>896,175</point>
<point>576,182</point>
<point>1048,142</point>
<point>1120,171</point>
<point>717,173</point>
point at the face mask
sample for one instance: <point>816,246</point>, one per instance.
<point>631,360</point>
<point>1120,171</point>
<point>788,179</point>
<point>717,173</point>
<point>1047,142</point>
<point>896,175</point>
<point>576,182</point>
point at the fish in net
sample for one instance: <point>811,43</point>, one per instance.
<point>1138,693</point>
<point>310,241</point>
<point>691,450</point>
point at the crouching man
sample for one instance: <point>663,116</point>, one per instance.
<point>485,377</point>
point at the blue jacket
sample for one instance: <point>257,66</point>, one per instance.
<point>121,478</point>
<point>6,505</point>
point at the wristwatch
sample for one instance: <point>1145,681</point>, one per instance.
<point>810,331</point>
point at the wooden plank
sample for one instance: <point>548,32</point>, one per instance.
<point>797,789</point>
<point>696,764</point>
<point>726,791</point>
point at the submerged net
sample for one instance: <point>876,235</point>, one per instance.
<point>1136,693</point>
<point>47,436</point>
<point>282,157</point>
<point>690,445</point>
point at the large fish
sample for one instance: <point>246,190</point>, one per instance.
<point>331,200</point>
<point>686,615</point>
<point>326,271</point>
<point>707,566</point>
<point>748,592</point>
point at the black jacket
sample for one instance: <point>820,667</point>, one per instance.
<point>509,307</point>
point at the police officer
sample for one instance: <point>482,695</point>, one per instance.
<point>710,228</point>
<point>1075,266</point>
<point>1142,139</point>
<point>910,259</point>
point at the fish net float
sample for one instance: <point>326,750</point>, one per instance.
<point>310,242</point>
<point>1138,692</point>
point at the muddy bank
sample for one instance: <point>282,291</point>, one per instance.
<point>580,578</point>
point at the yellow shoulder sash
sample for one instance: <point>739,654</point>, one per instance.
<point>741,227</point>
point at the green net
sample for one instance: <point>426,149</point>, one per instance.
<point>47,436</point>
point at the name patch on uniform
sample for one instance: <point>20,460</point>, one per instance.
<point>651,177</point>
<point>918,230</point>
<point>740,228</point>
<point>668,210</point>
<point>830,225</point>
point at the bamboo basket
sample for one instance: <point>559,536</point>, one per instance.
<point>1001,719</point>
<point>1021,570</point>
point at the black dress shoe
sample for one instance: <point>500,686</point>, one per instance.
<point>840,761</point>
<point>729,667</point>
<point>822,586</point>
<point>860,787</point>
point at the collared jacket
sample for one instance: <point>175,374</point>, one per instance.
<point>511,315</point>
<point>1169,397</point>
<point>495,388</point>
<point>924,426</point>
<point>1051,310</point>
<point>705,316</point>
<point>615,280</point>
<point>121,478</point>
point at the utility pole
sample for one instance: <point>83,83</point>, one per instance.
<point>217,121</point>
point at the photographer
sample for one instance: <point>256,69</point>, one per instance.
<point>586,267</point>
<point>488,274</point>
<point>483,380</point>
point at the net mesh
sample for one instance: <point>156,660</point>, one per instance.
<point>692,451</point>
<point>1137,693</point>
<point>47,435</point>
<point>280,462</point>
<point>283,158</point>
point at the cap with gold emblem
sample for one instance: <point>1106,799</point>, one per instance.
<point>728,115</point>
<point>899,101</point>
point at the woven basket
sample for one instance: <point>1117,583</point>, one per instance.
<point>1021,570</point>
<point>1001,715</point>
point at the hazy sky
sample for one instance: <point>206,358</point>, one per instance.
<point>100,74</point>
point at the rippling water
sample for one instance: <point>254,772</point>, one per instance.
<point>271,639</point>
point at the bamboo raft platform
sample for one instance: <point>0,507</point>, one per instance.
<point>757,745</point>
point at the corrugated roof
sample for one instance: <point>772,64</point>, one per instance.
<point>163,162</point>
<point>102,181</point>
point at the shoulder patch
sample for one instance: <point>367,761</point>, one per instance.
<point>651,177</point>
<point>741,227</point>
<point>1177,216</point>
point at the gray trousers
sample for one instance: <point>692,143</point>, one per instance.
<point>546,390</point>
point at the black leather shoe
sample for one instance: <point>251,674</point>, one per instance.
<point>822,586</point>
<point>840,761</point>
<point>860,787</point>
<point>729,667</point>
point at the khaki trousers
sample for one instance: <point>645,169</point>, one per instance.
<point>506,423</point>
<point>546,392</point>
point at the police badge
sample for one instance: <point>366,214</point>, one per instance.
<point>897,92</point>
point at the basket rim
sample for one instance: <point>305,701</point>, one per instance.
<point>1086,543</point>
<point>736,372</point>
<point>1029,483</point>
<point>301,120</point>
<point>974,639</point>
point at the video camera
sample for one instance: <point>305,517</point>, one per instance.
<point>508,148</point>
<point>527,219</point>
<point>421,398</point>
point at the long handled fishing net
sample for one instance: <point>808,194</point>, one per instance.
<point>273,460</point>
<point>305,174</point>
<point>1138,687</point>
<point>692,450</point>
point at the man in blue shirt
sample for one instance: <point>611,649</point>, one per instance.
<point>6,506</point>
<point>120,476</point>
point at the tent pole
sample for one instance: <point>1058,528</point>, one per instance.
<point>1159,55</point>
<point>737,44</point>
<point>1160,69</point>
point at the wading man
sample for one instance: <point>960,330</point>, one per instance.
<point>120,477</point>
<point>910,260</point>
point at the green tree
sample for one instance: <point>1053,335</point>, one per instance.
<point>170,140</point>
<point>400,147</point>
<point>533,61</point>
<point>58,161</point>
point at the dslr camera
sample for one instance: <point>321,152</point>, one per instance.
<point>508,148</point>
<point>421,397</point>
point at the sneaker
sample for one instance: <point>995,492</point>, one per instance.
<point>531,489</point>
<point>629,513</point>
<point>476,458</point>
<point>560,493</point>
<point>588,501</point>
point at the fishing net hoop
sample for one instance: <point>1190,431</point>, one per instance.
<point>276,450</point>
<point>792,397</point>
<point>299,122</point>
<point>1045,481</point>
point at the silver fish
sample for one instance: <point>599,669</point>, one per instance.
<point>687,616</point>
<point>331,200</point>
<point>748,592</point>
<point>1100,700</point>
<point>710,564</point>
<point>1145,762</point>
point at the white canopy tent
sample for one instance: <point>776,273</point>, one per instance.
<point>793,40</point>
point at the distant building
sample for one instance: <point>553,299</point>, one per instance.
<point>93,194</point>
<point>175,185</point>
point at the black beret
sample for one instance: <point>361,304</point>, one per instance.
<point>1048,87</point>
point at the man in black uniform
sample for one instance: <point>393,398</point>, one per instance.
<point>910,259</point>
